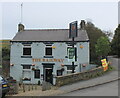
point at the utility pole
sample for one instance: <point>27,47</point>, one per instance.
<point>73,67</point>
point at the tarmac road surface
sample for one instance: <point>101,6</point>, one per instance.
<point>109,89</point>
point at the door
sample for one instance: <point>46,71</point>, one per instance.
<point>48,75</point>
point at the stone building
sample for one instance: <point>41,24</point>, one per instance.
<point>41,55</point>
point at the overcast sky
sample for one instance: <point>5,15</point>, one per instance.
<point>44,15</point>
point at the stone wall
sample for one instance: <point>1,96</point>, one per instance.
<point>67,79</point>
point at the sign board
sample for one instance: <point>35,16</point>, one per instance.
<point>71,54</point>
<point>47,60</point>
<point>73,29</point>
<point>104,64</point>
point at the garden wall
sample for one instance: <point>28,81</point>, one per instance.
<point>70,78</point>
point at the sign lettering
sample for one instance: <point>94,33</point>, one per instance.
<point>47,60</point>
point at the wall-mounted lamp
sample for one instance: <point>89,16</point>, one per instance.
<point>33,64</point>
<point>62,65</point>
<point>11,64</point>
<point>81,46</point>
<point>53,47</point>
<point>84,65</point>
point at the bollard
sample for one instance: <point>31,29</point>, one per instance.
<point>46,86</point>
<point>35,86</point>
<point>28,87</point>
<point>23,88</point>
<point>16,87</point>
<point>32,86</point>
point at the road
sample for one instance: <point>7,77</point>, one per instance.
<point>109,89</point>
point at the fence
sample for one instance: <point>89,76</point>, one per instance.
<point>67,79</point>
<point>28,87</point>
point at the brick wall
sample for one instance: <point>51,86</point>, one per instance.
<point>67,79</point>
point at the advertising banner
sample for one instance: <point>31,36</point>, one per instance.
<point>104,64</point>
<point>71,54</point>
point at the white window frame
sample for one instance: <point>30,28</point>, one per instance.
<point>69,71</point>
<point>27,46</point>
<point>48,46</point>
<point>27,65</point>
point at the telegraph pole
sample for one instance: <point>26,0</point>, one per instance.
<point>73,67</point>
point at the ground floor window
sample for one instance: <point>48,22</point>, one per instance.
<point>69,69</point>
<point>59,72</point>
<point>26,66</point>
<point>37,73</point>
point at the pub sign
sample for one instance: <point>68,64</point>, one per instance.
<point>73,29</point>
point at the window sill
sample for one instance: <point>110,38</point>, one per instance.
<point>36,78</point>
<point>48,56</point>
<point>27,80</point>
<point>26,69</point>
<point>26,56</point>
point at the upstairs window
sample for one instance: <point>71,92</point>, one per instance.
<point>48,51</point>
<point>27,50</point>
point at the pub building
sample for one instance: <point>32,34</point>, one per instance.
<point>39,55</point>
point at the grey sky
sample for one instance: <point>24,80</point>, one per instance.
<point>57,15</point>
<point>119,12</point>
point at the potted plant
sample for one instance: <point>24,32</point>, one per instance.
<point>33,69</point>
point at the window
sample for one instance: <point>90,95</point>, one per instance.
<point>27,50</point>
<point>69,69</point>
<point>37,73</point>
<point>59,72</point>
<point>48,51</point>
<point>26,66</point>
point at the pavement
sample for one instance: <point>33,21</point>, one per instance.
<point>108,89</point>
<point>106,78</point>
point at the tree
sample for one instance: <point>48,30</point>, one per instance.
<point>115,44</point>
<point>102,47</point>
<point>5,53</point>
<point>5,61</point>
<point>109,34</point>
<point>94,33</point>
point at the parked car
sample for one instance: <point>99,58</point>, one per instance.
<point>4,86</point>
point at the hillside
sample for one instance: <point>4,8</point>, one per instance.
<point>5,43</point>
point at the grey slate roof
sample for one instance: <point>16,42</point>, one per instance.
<point>49,35</point>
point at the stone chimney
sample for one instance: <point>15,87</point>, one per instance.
<point>20,27</point>
<point>82,25</point>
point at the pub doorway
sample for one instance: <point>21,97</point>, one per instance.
<point>49,76</point>
<point>47,72</point>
